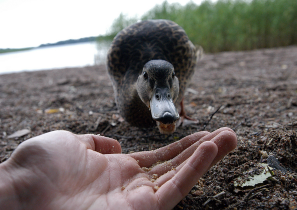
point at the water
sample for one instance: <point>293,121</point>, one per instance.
<point>72,55</point>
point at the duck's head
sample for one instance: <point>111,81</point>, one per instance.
<point>158,88</point>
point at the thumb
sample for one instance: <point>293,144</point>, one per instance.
<point>106,145</point>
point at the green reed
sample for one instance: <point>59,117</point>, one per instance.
<point>229,24</point>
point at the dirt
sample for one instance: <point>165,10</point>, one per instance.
<point>254,93</point>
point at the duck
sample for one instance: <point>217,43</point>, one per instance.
<point>150,64</point>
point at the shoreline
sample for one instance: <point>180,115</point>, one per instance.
<point>104,63</point>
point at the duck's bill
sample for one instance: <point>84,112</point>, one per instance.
<point>166,128</point>
<point>163,110</point>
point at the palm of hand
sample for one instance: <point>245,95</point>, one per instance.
<point>68,171</point>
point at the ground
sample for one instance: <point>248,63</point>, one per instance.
<point>254,93</point>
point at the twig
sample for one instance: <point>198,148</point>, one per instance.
<point>235,128</point>
<point>214,198</point>
<point>97,123</point>
<point>120,136</point>
<point>253,190</point>
<point>151,137</point>
<point>107,127</point>
<point>210,118</point>
<point>247,196</point>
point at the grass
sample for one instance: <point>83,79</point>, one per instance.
<point>229,25</point>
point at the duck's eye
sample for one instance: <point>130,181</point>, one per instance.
<point>145,75</point>
<point>173,74</point>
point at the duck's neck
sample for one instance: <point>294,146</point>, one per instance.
<point>131,106</point>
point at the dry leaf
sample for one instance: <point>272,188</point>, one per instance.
<point>52,111</point>
<point>19,133</point>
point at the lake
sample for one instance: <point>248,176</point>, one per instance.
<point>72,55</point>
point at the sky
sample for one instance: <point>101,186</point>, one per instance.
<point>29,23</point>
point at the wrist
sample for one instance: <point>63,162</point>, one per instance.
<point>8,195</point>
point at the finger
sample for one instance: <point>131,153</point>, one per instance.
<point>101,144</point>
<point>216,132</point>
<point>226,141</point>
<point>171,192</point>
<point>148,158</point>
<point>224,138</point>
<point>220,137</point>
<point>166,166</point>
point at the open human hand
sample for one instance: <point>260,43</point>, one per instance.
<point>61,170</point>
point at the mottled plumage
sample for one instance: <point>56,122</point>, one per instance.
<point>138,44</point>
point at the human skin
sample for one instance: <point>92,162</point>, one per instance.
<point>62,170</point>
